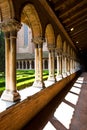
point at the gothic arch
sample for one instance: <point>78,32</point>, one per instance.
<point>49,34</point>
<point>59,43</point>
<point>64,47</point>
<point>6,10</point>
<point>30,17</point>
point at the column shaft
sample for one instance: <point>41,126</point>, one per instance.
<point>7,59</point>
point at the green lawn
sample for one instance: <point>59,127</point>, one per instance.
<point>25,78</point>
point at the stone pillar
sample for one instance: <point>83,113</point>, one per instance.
<point>22,64</point>
<point>60,68</point>
<point>64,66</point>
<point>26,64</point>
<point>51,77</point>
<point>7,59</point>
<point>10,93</point>
<point>43,63</point>
<point>57,78</point>
<point>18,64</point>
<point>30,64</point>
<point>40,69</point>
<point>38,63</point>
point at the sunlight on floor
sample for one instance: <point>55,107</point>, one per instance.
<point>64,114</point>
<point>72,98</point>
<point>75,90</point>
<point>49,126</point>
<point>80,80</point>
<point>29,91</point>
<point>5,104</point>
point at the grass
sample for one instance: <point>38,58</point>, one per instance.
<point>24,79</point>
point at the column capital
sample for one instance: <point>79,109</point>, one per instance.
<point>51,46</point>
<point>10,25</point>
<point>38,40</point>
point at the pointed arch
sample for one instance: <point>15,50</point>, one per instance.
<point>30,17</point>
<point>59,42</point>
<point>49,34</point>
<point>6,10</point>
<point>64,47</point>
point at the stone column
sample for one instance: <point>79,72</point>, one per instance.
<point>64,64</point>
<point>30,64</point>
<point>60,67</point>
<point>10,93</point>
<point>43,63</point>
<point>18,64</point>
<point>26,64</point>
<point>57,78</point>
<point>40,69</point>
<point>22,64</point>
<point>7,59</point>
<point>38,63</point>
<point>51,77</point>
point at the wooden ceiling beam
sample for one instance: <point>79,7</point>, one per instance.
<point>75,16</point>
<point>75,22</point>
<point>73,9</point>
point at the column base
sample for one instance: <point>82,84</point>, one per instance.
<point>64,75</point>
<point>68,73</point>
<point>39,84</point>
<point>10,96</point>
<point>59,77</point>
<point>51,79</point>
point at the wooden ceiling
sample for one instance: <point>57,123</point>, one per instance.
<point>73,16</point>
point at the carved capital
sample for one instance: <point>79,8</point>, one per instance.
<point>10,25</point>
<point>38,40</point>
<point>51,46</point>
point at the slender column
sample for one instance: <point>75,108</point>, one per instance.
<point>10,92</point>
<point>7,59</point>
<point>26,64</point>
<point>60,68</point>
<point>30,65</point>
<point>38,41</point>
<point>57,78</point>
<point>51,66</point>
<point>38,67</point>
<point>18,64</point>
<point>22,64</point>
<point>68,59</point>
<point>64,71</point>
<point>63,65</point>
<point>43,63</point>
<point>36,62</point>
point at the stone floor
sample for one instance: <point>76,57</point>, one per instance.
<point>67,111</point>
<point>24,93</point>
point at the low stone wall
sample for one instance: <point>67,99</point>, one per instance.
<point>15,117</point>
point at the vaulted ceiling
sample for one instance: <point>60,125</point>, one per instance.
<point>73,16</point>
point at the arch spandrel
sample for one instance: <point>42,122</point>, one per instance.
<point>49,34</point>
<point>30,17</point>
<point>59,43</point>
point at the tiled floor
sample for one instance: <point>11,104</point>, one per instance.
<point>67,111</point>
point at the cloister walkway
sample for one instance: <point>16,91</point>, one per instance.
<point>67,111</point>
<point>24,93</point>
